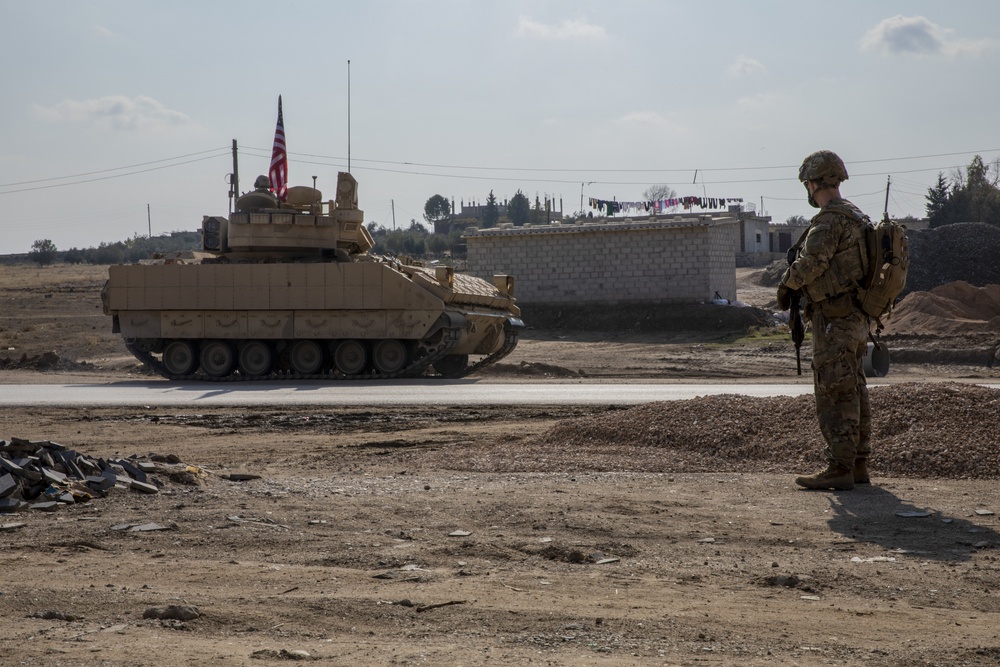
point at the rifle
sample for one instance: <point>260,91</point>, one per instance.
<point>794,313</point>
<point>798,329</point>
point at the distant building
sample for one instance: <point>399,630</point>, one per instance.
<point>475,213</point>
<point>681,258</point>
<point>754,247</point>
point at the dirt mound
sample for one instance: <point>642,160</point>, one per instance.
<point>955,308</point>
<point>771,275</point>
<point>918,430</point>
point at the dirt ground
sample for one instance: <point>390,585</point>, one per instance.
<point>368,538</point>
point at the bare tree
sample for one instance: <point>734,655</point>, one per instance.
<point>658,192</point>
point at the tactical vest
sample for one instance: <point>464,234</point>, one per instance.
<point>849,265</point>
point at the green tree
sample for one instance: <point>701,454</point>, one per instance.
<point>437,243</point>
<point>519,209</point>
<point>796,220</point>
<point>108,253</point>
<point>492,214</point>
<point>43,251</point>
<point>937,199</point>
<point>436,209</point>
<point>73,256</point>
<point>973,196</point>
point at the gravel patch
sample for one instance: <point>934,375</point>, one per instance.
<point>945,430</point>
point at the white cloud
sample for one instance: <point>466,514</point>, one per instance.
<point>570,29</point>
<point>744,67</point>
<point>759,102</point>
<point>116,111</point>
<point>916,35</point>
<point>643,118</point>
<point>104,32</point>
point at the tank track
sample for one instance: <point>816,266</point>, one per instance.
<point>449,339</point>
<point>509,343</point>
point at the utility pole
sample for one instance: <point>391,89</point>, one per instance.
<point>393,202</point>
<point>581,195</point>
<point>234,182</point>
<point>149,221</point>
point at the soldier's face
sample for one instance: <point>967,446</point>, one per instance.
<point>811,189</point>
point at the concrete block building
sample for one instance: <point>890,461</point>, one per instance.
<point>663,260</point>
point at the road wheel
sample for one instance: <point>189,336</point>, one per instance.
<point>255,359</point>
<point>305,357</point>
<point>218,358</point>
<point>389,356</point>
<point>180,357</point>
<point>351,357</point>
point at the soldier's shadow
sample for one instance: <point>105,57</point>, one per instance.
<point>876,516</point>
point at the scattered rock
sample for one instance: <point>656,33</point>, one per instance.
<point>172,613</point>
<point>240,477</point>
<point>283,654</point>
<point>52,615</point>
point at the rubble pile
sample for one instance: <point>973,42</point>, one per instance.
<point>964,251</point>
<point>45,475</point>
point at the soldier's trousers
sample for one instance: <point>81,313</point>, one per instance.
<point>845,416</point>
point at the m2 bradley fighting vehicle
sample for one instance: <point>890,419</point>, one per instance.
<point>288,290</point>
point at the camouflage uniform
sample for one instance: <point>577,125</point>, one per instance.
<point>829,262</point>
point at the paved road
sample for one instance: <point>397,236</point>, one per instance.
<point>437,392</point>
<point>413,393</point>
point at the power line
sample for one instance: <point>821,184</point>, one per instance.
<point>105,178</point>
<point>688,170</point>
<point>574,181</point>
<point>224,150</point>
<point>102,171</point>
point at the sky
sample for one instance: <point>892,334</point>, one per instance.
<point>118,117</point>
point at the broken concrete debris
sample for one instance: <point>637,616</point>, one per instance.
<point>44,475</point>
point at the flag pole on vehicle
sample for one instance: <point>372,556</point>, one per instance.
<point>278,173</point>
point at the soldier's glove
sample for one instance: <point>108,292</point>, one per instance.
<point>784,297</point>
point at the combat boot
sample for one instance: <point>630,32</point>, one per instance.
<point>860,472</point>
<point>835,477</point>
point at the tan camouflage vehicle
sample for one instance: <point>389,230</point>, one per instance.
<point>287,290</point>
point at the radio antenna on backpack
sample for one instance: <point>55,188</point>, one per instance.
<point>885,214</point>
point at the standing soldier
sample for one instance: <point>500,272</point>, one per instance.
<point>830,263</point>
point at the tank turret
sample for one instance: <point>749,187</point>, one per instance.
<point>303,224</point>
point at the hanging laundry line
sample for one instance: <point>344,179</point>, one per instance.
<point>613,206</point>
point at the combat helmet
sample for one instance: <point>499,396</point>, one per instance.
<point>825,167</point>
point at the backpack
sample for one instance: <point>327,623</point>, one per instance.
<point>884,258</point>
<point>888,262</point>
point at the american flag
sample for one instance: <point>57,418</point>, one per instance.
<point>279,159</point>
